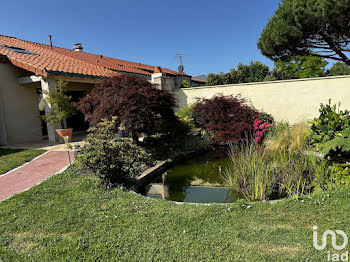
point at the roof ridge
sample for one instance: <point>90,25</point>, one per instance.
<point>70,50</point>
<point>48,46</point>
<point>103,56</point>
<point>58,58</point>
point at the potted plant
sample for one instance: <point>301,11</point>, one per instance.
<point>61,108</point>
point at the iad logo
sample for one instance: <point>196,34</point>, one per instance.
<point>332,256</point>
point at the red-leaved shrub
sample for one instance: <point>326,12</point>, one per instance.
<point>227,118</point>
<point>140,107</point>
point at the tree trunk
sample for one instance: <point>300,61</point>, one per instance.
<point>135,138</point>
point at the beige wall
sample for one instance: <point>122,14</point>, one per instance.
<point>289,100</point>
<point>19,111</point>
<point>20,107</point>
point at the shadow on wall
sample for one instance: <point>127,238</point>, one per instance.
<point>181,98</point>
<point>3,136</point>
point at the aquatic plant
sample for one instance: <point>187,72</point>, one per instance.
<point>262,175</point>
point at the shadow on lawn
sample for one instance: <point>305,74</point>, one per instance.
<point>8,151</point>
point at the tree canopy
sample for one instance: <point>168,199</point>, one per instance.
<point>254,72</point>
<point>308,28</point>
<point>338,69</point>
<point>139,106</point>
<point>301,67</point>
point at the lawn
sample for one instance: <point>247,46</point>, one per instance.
<point>12,158</point>
<point>69,217</point>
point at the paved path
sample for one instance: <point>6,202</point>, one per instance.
<point>32,173</point>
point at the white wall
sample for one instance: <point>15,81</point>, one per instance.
<point>289,100</point>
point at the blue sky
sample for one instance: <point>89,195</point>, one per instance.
<point>214,35</point>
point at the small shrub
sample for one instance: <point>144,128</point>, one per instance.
<point>185,84</point>
<point>329,124</point>
<point>329,131</point>
<point>332,176</point>
<point>61,105</point>
<point>114,160</point>
<point>226,118</point>
<point>185,115</point>
<point>339,145</point>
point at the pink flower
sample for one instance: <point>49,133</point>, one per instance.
<point>257,140</point>
<point>262,126</point>
<point>264,130</point>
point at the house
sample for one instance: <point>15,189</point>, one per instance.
<point>27,69</point>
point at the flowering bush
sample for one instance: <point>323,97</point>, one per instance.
<point>263,123</point>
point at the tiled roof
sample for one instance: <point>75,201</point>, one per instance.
<point>197,80</point>
<point>44,60</point>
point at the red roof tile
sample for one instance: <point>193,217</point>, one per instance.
<point>43,60</point>
<point>197,80</point>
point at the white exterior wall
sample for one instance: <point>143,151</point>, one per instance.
<point>289,100</point>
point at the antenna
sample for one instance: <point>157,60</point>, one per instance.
<point>179,56</point>
<point>180,67</point>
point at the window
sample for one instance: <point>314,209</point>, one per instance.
<point>18,50</point>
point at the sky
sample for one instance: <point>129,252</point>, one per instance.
<point>214,36</point>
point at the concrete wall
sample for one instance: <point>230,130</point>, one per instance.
<point>289,100</point>
<point>20,108</point>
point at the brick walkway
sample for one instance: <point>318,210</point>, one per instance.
<point>32,173</point>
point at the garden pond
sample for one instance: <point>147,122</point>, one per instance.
<point>196,180</point>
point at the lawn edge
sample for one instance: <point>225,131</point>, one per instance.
<point>59,172</point>
<point>24,164</point>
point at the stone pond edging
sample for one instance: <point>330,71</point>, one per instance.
<point>148,175</point>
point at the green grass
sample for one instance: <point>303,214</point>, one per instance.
<point>70,218</point>
<point>12,158</point>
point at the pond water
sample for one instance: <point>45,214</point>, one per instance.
<point>197,180</point>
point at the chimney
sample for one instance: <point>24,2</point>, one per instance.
<point>78,47</point>
<point>157,70</point>
<point>50,37</point>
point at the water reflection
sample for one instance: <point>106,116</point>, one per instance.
<point>195,180</point>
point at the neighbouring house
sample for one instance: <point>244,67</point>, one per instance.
<point>27,69</point>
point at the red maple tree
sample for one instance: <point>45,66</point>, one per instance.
<point>140,107</point>
<point>228,118</point>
